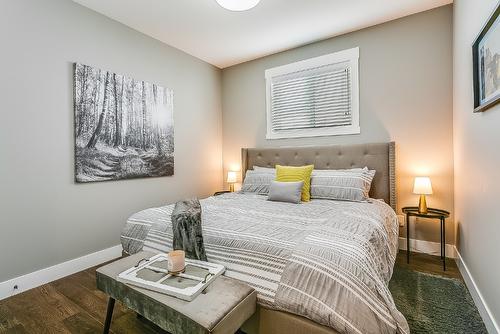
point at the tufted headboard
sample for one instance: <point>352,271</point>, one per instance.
<point>378,156</point>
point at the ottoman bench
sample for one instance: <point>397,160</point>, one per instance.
<point>221,309</point>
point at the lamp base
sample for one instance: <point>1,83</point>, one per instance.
<point>231,187</point>
<point>422,205</point>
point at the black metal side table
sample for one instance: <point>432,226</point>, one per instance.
<point>217,193</point>
<point>431,214</point>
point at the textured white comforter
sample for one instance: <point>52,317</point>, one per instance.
<point>329,261</point>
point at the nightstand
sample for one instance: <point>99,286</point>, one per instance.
<point>217,193</point>
<point>431,214</point>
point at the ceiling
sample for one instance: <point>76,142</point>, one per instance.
<point>224,38</point>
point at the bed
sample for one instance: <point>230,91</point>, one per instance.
<point>318,267</point>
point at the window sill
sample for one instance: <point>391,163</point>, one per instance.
<point>346,130</point>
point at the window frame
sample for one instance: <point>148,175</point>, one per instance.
<point>349,56</point>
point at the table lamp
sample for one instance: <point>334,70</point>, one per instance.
<point>231,179</point>
<point>422,187</point>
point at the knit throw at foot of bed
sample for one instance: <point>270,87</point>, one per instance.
<point>186,226</point>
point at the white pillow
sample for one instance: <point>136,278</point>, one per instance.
<point>265,169</point>
<point>342,184</point>
<point>257,182</point>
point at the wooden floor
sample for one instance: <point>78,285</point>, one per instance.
<point>429,264</point>
<point>69,305</point>
<point>74,305</point>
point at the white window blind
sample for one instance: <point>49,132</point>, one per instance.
<point>314,97</point>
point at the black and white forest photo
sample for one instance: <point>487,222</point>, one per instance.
<point>124,128</point>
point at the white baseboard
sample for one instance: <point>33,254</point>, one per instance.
<point>484,311</point>
<point>429,247</point>
<point>46,275</point>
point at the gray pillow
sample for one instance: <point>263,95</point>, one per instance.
<point>285,191</point>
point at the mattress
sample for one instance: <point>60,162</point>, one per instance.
<point>329,261</point>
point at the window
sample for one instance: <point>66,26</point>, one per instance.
<point>314,97</point>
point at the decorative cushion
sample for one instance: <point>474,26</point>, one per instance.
<point>291,173</point>
<point>286,191</point>
<point>343,184</point>
<point>257,182</point>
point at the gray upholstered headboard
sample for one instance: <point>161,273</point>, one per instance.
<point>378,156</point>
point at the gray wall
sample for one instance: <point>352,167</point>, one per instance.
<point>405,96</point>
<point>477,157</point>
<point>45,217</point>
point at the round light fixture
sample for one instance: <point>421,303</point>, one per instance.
<point>238,5</point>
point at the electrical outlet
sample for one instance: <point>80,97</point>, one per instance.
<point>401,220</point>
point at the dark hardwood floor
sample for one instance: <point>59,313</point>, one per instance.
<point>428,264</point>
<point>74,305</point>
<point>69,305</point>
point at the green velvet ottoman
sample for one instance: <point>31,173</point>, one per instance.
<point>222,308</point>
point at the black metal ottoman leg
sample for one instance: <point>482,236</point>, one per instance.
<point>109,315</point>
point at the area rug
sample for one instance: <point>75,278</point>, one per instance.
<point>435,304</point>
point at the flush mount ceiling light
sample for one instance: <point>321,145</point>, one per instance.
<point>238,5</point>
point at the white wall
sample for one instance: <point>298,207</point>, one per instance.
<point>45,218</point>
<point>405,96</point>
<point>477,159</point>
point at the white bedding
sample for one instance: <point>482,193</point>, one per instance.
<point>329,261</point>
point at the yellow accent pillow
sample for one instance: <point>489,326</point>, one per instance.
<point>291,174</point>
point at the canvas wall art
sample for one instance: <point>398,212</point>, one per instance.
<point>486,62</point>
<point>124,128</point>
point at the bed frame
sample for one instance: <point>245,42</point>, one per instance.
<point>377,156</point>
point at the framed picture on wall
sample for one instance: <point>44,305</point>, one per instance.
<point>124,128</point>
<point>486,63</point>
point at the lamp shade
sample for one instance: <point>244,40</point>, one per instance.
<point>422,186</point>
<point>231,177</point>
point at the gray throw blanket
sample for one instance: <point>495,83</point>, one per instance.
<point>186,227</point>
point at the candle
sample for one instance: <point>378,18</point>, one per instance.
<point>176,261</point>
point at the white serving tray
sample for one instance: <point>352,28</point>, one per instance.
<point>187,285</point>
